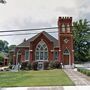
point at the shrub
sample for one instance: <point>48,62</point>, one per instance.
<point>29,66</point>
<point>24,65</point>
<point>84,71</point>
<point>55,64</point>
<point>6,69</point>
<point>1,61</point>
<point>10,67</point>
<point>51,65</point>
<point>34,65</point>
<point>46,65</point>
<point>88,73</point>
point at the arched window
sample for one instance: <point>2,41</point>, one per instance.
<point>63,28</point>
<point>41,52</point>
<point>66,52</point>
<point>68,28</point>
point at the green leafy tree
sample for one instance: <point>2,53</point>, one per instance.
<point>4,46</point>
<point>81,45</point>
<point>1,60</point>
<point>12,47</point>
<point>11,53</point>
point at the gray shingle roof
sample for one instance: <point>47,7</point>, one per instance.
<point>27,42</point>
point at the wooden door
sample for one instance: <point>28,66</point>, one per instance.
<point>66,59</point>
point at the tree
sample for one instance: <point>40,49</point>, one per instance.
<point>81,46</point>
<point>2,1</point>
<point>12,47</point>
<point>11,53</point>
<point>1,60</point>
<point>4,46</point>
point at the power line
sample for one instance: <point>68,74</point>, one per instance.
<point>24,34</point>
<point>35,29</point>
<point>28,33</point>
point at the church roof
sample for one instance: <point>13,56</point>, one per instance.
<point>27,42</point>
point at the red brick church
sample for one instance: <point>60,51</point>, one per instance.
<point>44,47</point>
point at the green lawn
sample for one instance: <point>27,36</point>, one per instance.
<point>34,78</point>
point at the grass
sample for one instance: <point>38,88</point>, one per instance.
<point>34,78</point>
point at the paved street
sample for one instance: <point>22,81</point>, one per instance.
<point>78,78</point>
<point>50,88</point>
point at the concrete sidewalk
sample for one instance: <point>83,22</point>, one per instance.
<point>50,88</point>
<point>78,78</point>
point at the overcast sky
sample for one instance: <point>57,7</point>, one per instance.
<point>22,14</point>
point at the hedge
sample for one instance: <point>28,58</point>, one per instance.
<point>84,71</point>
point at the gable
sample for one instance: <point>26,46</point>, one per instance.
<point>51,38</point>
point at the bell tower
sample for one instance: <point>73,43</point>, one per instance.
<point>65,40</point>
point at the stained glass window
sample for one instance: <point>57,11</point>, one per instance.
<point>41,51</point>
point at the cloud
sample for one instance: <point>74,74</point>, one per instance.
<point>20,24</point>
<point>83,9</point>
<point>21,14</point>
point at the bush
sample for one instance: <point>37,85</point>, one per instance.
<point>88,73</point>
<point>6,69</point>
<point>1,58</point>
<point>29,66</point>
<point>51,66</point>
<point>46,65</point>
<point>24,65</point>
<point>1,61</point>
<point>55,64</point>
<point>84,71</point>
<point>10,67</point>
<point>34,65</point>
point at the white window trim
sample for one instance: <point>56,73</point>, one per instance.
<point>41,43</point>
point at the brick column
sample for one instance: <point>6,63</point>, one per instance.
<point>72,56</point>
<point>59,56</point>
<point>31,55</point>
<point>51,55</point>
<point>13,59</point>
